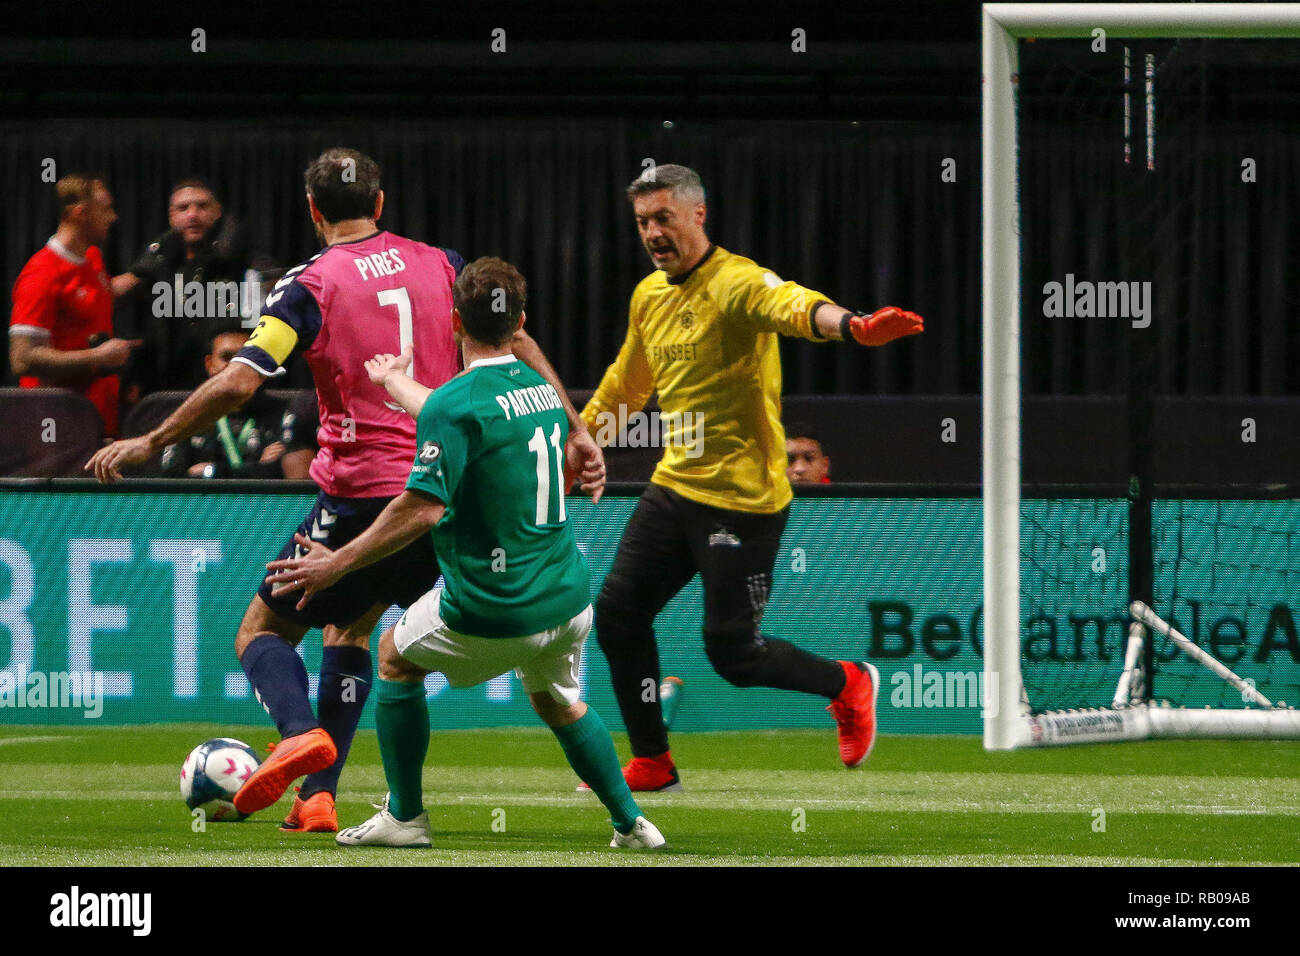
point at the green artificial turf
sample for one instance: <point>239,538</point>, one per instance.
<point>81,796</point>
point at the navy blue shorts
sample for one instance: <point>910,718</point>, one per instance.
<point>398,579</point>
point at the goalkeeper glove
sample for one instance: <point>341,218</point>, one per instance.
<point>883,325</point>
<point>161,258</point>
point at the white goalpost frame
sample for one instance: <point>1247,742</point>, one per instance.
<point>1005,724</point>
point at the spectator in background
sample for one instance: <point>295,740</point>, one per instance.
<point>61,328</point>
<point>243,444</point>
<point>298,429</point>
<point>807,462</point>
<point>196,277</point>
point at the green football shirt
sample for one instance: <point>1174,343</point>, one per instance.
<point>490,446</point>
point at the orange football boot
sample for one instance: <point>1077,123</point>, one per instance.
<point>316,814</point>
<point>292,758</point>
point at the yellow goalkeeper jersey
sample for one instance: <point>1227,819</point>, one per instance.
<point>706,342</point>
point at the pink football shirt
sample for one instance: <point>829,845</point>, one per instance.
<point>375,295</point>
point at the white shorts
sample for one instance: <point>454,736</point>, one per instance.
<point>547,661</point>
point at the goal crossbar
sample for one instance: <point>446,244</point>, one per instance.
<point>1003,25</point>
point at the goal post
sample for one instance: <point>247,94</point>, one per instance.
<point>1006,723</point>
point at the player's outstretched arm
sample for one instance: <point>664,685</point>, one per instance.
<point>218,396</point>
<point>409,515</point>
<point>788,308</point>
<point>878,328</point>
<point>389,371</point>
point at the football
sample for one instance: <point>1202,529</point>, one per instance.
<point>212,774</point>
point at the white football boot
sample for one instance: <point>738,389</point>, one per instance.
<point>644,835</point>
<point>384,829</point>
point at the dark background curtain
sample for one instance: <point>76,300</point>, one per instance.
<point>857,212</point>
<point>1220,254</point>
<point>825,167</point>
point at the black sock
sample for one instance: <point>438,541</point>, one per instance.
<point>633,660</point>
<point>279,680</point>
<point>787,667</point>
<point>346,676</point>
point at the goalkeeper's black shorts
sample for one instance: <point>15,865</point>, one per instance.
<point>669,539</point>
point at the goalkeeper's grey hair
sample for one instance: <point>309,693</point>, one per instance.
<point>683,181</point>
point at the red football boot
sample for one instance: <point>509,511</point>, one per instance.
<point>650,775</point>
<point>855,712</point>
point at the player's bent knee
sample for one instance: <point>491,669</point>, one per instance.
<point>735,655</point>
<point>260,619</point>
<point>332,636</point>
<point>392,665</point>
<point>556,713</point>
<point>356,634</point>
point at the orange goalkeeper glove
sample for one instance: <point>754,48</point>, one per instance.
<point>883,325</point>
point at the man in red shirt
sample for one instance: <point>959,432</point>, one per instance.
<point>61,329</point>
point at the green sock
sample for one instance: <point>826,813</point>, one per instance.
<point>590,751</point>
<point>402,720</point>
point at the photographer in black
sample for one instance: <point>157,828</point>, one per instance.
<point>194,278</point>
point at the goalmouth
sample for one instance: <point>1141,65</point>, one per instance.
<point>1007,723</point>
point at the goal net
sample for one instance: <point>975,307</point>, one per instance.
<point>1142,547</point>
